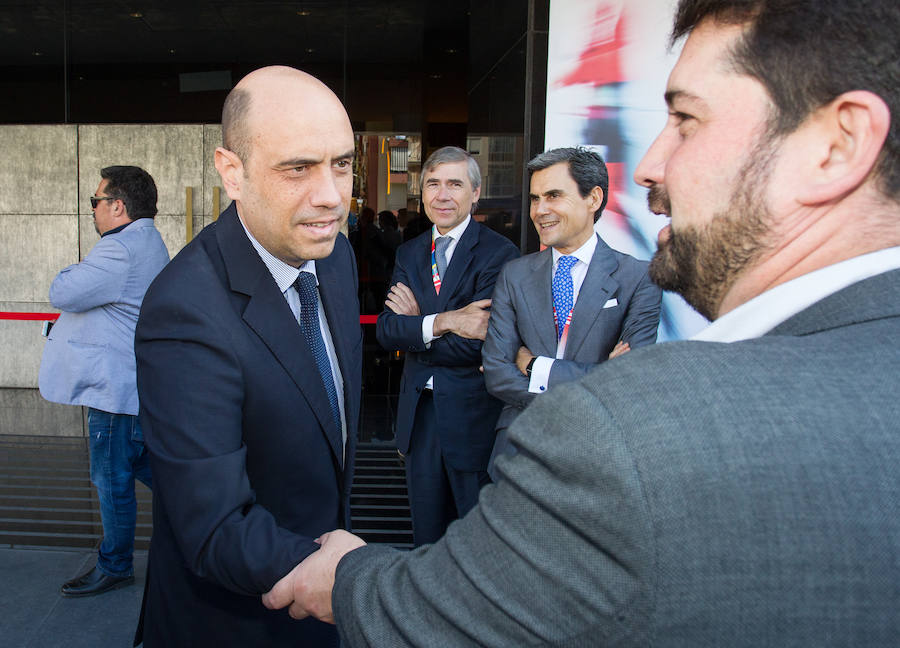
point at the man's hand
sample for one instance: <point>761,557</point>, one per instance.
<point>401,300</point>
<point>621,348</point>
<point>523,357</point>
<point>307,588</point>
<point>469,322</point>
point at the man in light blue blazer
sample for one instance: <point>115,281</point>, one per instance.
<point>89,358</point>
<point>610,303</point>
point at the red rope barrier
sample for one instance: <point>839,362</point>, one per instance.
<point>33,317</point>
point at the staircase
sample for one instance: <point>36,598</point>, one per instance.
<point>47,499</point>
<point>379,506</point>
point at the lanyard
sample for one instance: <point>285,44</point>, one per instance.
<point>435,277</point>
<point>565,331</point>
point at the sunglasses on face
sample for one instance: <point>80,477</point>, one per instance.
<point>95,200</point>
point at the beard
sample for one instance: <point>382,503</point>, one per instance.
<point>702,263</point>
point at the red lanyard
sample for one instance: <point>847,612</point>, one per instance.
<point>565,332</point>
<point>435,277</point>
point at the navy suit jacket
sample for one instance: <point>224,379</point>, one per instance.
<point>466,413</point>
<point>247,460</point>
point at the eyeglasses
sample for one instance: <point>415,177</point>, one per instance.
<point>95,200</point>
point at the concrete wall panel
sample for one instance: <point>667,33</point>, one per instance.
<point>171,228</point>
<point>21,344</point>
<point>38,173</point>
<point>23,411</point>
<point>33,249</point>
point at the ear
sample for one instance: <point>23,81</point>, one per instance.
<point>475,195</point>
<point>845,139</point>
<point>595,199</point>
<point>231,170</point>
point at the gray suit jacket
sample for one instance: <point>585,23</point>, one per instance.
<point>522,314</point>
<point>685,494</point>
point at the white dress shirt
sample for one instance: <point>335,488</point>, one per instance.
<point>428,321</point>
<point>285,275</point>
<point>540,370</point>
<point>764,312</point>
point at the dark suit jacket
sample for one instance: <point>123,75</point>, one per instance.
<point>522,314</point>
<point>246,457</point>
<point>466,413</point>
<point>685,494</point>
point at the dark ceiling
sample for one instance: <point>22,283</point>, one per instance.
<point>36,32</point>
<point>397,64</point>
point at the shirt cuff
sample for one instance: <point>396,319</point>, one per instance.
<point>540,374</point>
<point>428,329</point>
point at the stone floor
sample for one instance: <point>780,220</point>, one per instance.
<point>33,614</point>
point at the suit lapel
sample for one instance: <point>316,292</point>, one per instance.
<point>597,288</point>
<point>537,296</point>
<point>269,316</point>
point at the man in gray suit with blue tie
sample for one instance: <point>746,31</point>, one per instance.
<point>89,359</point>
<point>737,489</point>
<point>556,314</point>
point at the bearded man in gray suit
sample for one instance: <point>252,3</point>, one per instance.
<point>739,489</point>
<point>556,314</point>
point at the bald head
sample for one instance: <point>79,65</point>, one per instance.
<point>287,162</point>
<point>252,100</point>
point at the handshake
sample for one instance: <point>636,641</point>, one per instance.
<point>307,587</point>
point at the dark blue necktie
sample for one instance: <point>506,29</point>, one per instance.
<point>309,326</point>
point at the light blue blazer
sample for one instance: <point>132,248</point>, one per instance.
<point>89,356</point>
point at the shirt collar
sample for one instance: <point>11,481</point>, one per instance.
<point>115,230</point>
<point>455,233</point>
<point>584,254</point>
<point>764,312</point>
<point>284,275</point>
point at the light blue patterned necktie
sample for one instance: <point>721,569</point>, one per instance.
<point>441,243</point>
<point>563,292</point>
<point>309,326</point>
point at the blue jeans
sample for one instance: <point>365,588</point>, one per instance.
<point>117,457</point>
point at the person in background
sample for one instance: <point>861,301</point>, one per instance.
<point>556,314</point>
<point>436,312</point>
<point>88,359</point>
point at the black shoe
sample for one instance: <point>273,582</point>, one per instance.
<point>94,582</point>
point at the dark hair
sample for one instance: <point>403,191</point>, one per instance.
<point>134,187</point>
<point>586,168</point>
<point>367,216</point>
<point>808,52</point>
<point>235,133</point>
<point>387,219</point>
